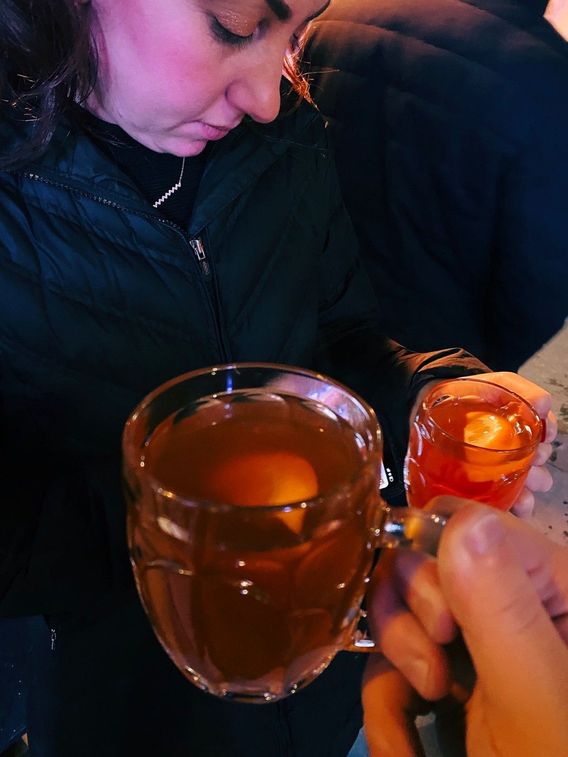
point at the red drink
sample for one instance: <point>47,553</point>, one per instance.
<point>471,439</point>
<point>247,598</point>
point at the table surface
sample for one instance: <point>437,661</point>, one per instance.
<point>549,368</point>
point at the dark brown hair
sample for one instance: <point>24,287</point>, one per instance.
<point>48,64</point>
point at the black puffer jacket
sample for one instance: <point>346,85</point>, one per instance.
<point>101,299</point>
<point>450,119</point>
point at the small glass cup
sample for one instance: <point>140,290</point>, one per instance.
<point>253,518</point>
<point>474,439</point>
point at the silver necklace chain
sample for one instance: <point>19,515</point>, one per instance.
<point>170,192</point>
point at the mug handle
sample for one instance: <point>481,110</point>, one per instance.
<point>408,527</point>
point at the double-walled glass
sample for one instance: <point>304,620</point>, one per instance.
<point>474,439</point>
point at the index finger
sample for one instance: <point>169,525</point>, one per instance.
<point>409,620</point>
<point>550,426</point>
<point>535,395</point>
<point>390,706</point>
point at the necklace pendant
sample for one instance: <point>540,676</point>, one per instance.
<point>173,189</point>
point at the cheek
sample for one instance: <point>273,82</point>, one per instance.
<point>185,80</point>
<point>156,65</point>
<point>175,69</point>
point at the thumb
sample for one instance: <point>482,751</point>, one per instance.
<point>485,562</point>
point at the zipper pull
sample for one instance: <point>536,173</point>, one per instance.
<point>199,251</point>
<point>53,638</point>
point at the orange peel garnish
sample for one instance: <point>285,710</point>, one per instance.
<point>489,431</point>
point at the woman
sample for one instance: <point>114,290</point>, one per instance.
<point>157,216</point>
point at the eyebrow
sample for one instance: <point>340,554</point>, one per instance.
<point>282,10</point>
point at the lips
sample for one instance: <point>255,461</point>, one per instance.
<point>211,132</point>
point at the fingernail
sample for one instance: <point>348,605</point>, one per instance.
<point>485,536</point>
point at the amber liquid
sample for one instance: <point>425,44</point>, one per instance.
<point>250,601</point>
<point>491,467</point>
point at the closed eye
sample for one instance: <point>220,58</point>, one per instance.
<point>227,37</point>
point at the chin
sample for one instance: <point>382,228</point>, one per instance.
<point>189,149</point>
<point>183,146</point>
<point>179,146</point>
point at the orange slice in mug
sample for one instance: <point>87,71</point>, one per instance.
<point>267,478</point>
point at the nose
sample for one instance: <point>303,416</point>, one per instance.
<point>255,91</point>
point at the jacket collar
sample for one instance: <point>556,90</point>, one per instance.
<point>245,154</point>
<point>74,161</point>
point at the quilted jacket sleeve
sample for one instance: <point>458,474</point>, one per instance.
<point>54,538</point>
<point>352,347</point>
<point>53,541</point>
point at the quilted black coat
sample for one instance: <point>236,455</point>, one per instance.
<point>101,300</point>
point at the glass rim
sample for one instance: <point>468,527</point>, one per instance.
<point>131,455</point>
<point>524,447</point>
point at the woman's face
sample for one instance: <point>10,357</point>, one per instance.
<point>175,74</point>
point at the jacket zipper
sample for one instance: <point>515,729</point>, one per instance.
<point>198,248</point>
<point>199,252</point>
<point>195,244</point>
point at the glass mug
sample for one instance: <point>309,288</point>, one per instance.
<point>474,439</point>
<point>253,520</point>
